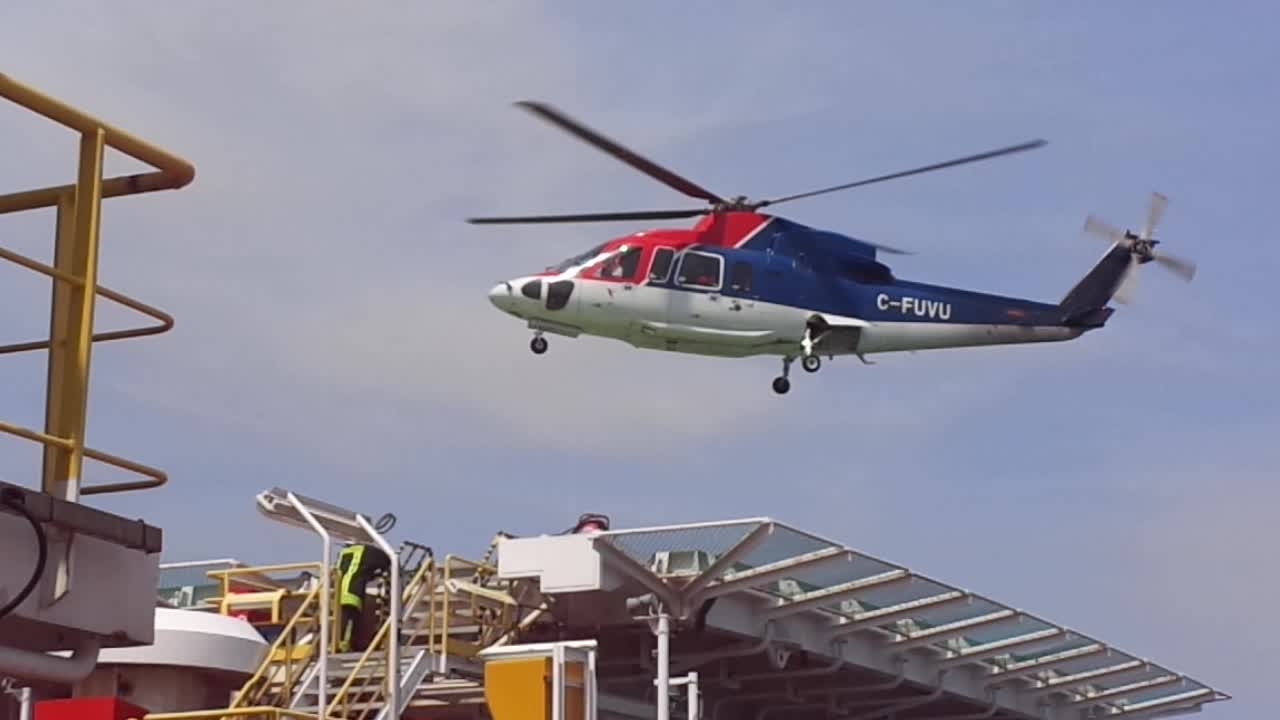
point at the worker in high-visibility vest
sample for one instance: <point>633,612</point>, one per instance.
<point>358,563</point>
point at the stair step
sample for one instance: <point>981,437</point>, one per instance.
<point>439,693</point>
<point>357,707</point>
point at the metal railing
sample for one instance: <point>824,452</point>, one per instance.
<point>475,612</point>
<point>286,661</point>
<point>293,653</point>
<point>76,288</point>
<point>440,605</point>
<point>257,577</point>
<point>367,684</point>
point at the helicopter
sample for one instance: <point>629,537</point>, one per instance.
<point>743,283</point>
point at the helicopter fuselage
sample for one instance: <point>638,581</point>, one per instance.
<point>745,283</point>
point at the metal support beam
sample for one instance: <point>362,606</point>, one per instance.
<point>624,564</point>
<point>1047,661</point>
<point>942,632</point>
<point>871,618</point>
<point>721,564</point>
<point>1060,684</point>
<point>1152,707</point>
<point>769,573</point>
<point>1121,690</point>
<point>834,594</point>
<point>1000,647</point>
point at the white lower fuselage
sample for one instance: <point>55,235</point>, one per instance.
<point>703,323</point>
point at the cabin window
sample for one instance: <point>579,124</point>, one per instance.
<point>577,259</point>
<point>740,278</point>
<point>660,268</point>
<point>622,266</point>
<point>700,270</point>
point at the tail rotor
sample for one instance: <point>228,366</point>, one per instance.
<point>1141,247</point>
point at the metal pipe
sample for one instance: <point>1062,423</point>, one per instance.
<point>687,662</point>
<point>173,172</point>
<point>905,704</point>
<point>322,689</point>
<point>29,665</point>
<point>837,662</point>
<point>593,690</point>
<point>664,665</point>
<point>691,690</point>
<point>557,682</point>
<point>25,709</point>
<point>393,631</point>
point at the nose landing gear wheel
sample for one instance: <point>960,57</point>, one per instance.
<point>811,363</point>
<point>538,345</point>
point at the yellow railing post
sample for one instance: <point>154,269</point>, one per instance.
<point>76,254</point>
<point>75,287</point>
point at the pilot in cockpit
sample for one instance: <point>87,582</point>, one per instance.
<point>612,267</point>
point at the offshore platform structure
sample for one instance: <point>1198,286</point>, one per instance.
<point>732,619</point>
<point>60,558</point>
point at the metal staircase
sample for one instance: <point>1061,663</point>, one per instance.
<point>448,612</point>
<point>451,612</point>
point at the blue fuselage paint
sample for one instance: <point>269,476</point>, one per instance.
<point>863,288</point>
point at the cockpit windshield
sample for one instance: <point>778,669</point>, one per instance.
<point>578,259</point>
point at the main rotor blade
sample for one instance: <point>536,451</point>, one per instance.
<point>1158,204</point>
<point>601,142</point>
<point>927,168</point>
<point>588,217</point>
<point>1185,269</point>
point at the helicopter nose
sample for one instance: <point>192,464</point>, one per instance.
<point>502,296</point>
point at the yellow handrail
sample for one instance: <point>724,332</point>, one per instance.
<point>480,570</point>
<point>226,575</point>
<point>364,690</point>
<point>172,173</point>
<point>256,686</point>
<point>76,288</point>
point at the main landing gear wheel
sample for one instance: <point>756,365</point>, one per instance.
<point>538,345</point>
<point>811,363</point>
<point>781,384</point>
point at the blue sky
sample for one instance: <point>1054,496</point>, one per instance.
<point>333,336</point>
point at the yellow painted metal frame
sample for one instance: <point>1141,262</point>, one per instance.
<point>76,288</point>
<point>271,595</point>
<point>286,660</point>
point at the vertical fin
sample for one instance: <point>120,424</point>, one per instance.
<point>1092,293</point>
